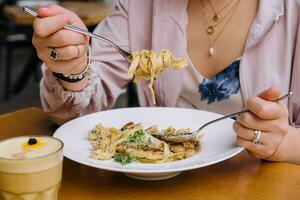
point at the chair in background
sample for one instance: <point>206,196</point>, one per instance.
<point>11,36</point>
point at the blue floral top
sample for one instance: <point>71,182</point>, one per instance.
<point>220,93</point>
<point>222,85</point>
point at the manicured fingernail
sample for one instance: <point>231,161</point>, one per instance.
<point>65,19</point>
<point>43,9</point>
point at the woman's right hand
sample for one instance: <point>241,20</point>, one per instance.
<point>49,34</point>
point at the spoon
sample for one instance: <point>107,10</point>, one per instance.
<point>124,53</point>
<point>175,137</point>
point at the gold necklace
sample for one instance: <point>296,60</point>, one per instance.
<point>217,15</point>
<point>211,27</point>
<point>212,41</point>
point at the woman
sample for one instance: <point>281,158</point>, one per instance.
<point>236,50</point>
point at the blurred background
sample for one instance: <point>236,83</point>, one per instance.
<point>19,66</point>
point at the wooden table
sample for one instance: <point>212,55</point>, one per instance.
<point>91,13</point>
<point>241,177</point>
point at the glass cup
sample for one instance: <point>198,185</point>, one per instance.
<point>30,168</point>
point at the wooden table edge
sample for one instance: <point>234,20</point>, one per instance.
<point>35,109</point>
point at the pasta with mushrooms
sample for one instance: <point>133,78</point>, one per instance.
<point>132,143</point>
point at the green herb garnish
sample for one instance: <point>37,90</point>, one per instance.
<point>124,158</point>
<point>137,137</point>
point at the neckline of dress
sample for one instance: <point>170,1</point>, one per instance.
<point>199,75</point>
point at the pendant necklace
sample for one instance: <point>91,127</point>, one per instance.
<point>216,20</point>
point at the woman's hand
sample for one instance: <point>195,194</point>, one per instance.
<point>49,34</point>
<point>271,119</point>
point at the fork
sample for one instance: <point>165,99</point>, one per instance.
<point>123,52</point>
<point>175,137</point>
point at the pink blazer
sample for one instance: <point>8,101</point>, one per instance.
<point>271,56</point>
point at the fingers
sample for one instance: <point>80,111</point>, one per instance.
<point>259,150</point>
<point>251,121</point>
<point>49,33</point>
<point>55,9</point>
<point>270,94</point>
<point>265,109</point>
<point>64,53</point>
<point>73,66</point>
<point>64,38</point>
<point>53,18</point>
<point>269,117</point>
<point>69,16</point>
<point>267,145</point>
<point>46,26</point>
<point>243,132</point>
<point>71,51</point>
<point>266,138</point>
<point>47,11</point>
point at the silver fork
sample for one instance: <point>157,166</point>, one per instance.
<point>124,53</point>
<point>175,137</point>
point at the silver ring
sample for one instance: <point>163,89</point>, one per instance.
<point>256,137</point>
<point>53,54</point>
<point>78,51</point>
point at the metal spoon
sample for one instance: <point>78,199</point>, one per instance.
<point>175,137</point>
<point>124,53</point>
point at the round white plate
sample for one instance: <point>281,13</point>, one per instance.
<point>217,144</point>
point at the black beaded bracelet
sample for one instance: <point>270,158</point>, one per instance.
<point>73,78</point>
<point>67,79</point>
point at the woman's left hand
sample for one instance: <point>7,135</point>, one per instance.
<point>270,118</point>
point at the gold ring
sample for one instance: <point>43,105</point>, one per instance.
<point>78,51</point>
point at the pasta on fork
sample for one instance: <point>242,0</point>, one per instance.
<point>149,64</point>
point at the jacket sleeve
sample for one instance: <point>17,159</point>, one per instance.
<point>294,102</point>
<point>108,77</point>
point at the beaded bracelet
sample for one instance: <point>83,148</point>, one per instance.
<point>73,78</point>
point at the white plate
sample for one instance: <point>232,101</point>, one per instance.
<point>218,143</point>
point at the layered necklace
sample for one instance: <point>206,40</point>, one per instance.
<point>217,18</point>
